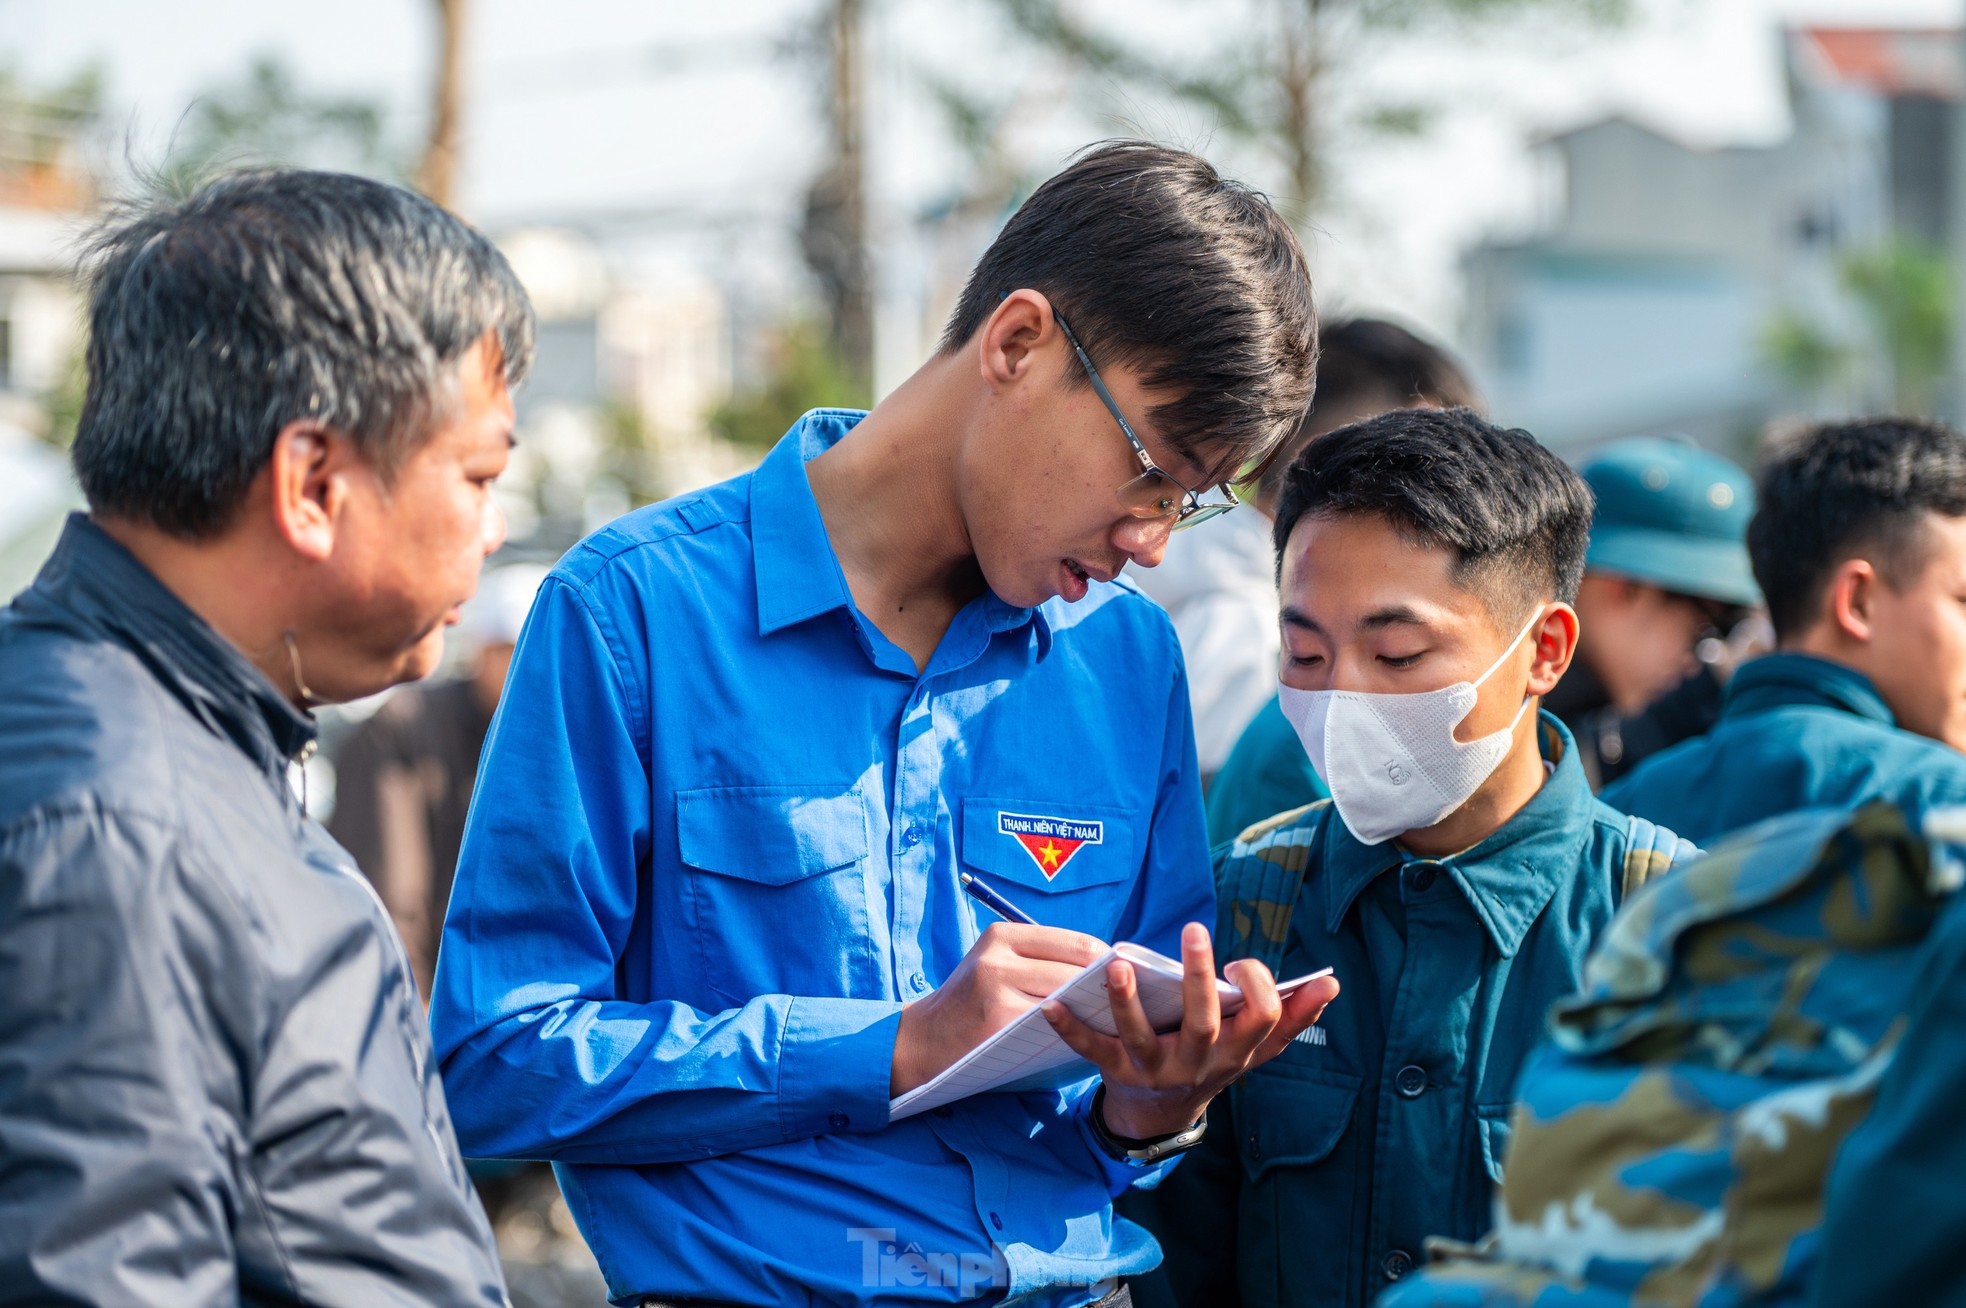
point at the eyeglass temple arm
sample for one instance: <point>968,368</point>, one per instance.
<point>1105,396</point>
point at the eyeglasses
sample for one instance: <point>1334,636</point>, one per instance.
<point>1152,494</point>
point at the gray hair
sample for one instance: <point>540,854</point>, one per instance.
<point>268,297</point>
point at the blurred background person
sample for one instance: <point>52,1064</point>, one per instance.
<point>404,775</point>
<point>1859,544</point>
<point>1218,582</point>
<point>1666,604</point>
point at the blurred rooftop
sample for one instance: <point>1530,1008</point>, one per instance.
<point>1895,62</point>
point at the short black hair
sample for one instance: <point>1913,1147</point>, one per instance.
<point>1371,364</point>
<point>1161,264</point>
<point>1516,517</point>
<point>268,296</point>
<point>1836,490</point>
<point>1365,358</point>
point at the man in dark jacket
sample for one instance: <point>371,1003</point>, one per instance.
<point>1859,542</point>
<point>215,1086</point>
<point>1666,602</point>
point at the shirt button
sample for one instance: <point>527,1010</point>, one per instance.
<point>1424,878</point>
<point>1411,1081</point>
<point>996,1221</point>
<point>911,835</point>
<point>1398,1263</point>
<point>839,1121</point>
<point>918,983</point>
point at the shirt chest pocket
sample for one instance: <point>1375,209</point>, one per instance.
<point>1296,1146</point>
<point>778,891</point>
<point>1079,858</point>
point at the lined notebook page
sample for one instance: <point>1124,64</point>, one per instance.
<point>1028,1054</point>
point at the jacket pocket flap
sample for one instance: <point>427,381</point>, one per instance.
<point>1497,1124</point>
<point>1288,1119</point>
<point>1048,846</point>
<point>773,835</point>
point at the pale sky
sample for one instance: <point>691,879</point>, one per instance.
<point>570,114</point>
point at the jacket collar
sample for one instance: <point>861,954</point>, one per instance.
<point>797,573</point>
<point>95,579</point>
<point>1508,877</point>
<point>1790,680</point>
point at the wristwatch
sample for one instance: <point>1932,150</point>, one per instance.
<point>1143,1153</point>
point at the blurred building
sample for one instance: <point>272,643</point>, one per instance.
<point>1649,301</point>
<point>45,196</point>
<point>628,368</point>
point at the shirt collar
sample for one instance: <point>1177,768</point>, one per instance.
<point>1788,680</point>
<point>798,574</point>
<point>1508,877</point>
<point>94,578</point>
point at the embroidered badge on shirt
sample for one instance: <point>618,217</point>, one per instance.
<point>1050,841</point>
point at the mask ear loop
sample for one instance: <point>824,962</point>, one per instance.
<point>1535,619</point>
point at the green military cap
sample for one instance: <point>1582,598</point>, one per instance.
<point>1674,515</point>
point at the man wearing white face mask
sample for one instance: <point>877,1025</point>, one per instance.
<point>1456,879</point>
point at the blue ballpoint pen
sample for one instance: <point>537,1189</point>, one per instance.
<point>996,903</point>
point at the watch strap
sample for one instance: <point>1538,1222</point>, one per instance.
<point>1142,1153</point>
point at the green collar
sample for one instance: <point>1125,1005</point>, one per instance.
<point>1509,876</point>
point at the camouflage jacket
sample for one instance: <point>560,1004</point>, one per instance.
<point>1674,1136</point>
<point>1325,1169</point>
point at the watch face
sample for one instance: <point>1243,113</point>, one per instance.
<point>1174,1144</point>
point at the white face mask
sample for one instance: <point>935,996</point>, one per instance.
<point>1391,761</point>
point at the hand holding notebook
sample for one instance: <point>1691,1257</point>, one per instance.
<point>1027,1054</point>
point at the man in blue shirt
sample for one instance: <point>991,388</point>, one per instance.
<point>1456,878</point>
<point>1859,543</point>
<point>707,919</point>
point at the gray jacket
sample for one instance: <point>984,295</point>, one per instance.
<point>215,1083</point>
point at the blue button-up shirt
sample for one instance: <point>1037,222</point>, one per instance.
<point>714,849</point>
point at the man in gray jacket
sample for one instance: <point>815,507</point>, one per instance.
<point>215,1085</point>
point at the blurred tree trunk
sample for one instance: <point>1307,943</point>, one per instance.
<point>1300,77</point>
<point>833,237</point>
<point>436,174</point>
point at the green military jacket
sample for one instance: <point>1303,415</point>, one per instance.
<point>1324,1171</point>
<point>1676,1134</point>
<point>1795,732</point>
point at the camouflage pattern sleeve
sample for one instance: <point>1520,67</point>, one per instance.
<point>1893,1211</point>
<point>1258,877</point>
<point>1674,1136</point>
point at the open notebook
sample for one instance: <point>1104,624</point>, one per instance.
<point>1028,1055</point>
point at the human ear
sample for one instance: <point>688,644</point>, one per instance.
<point>1853,598</point>
<point>1010,337</point>
<point>308,487</point>
<point>1555,644</point>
